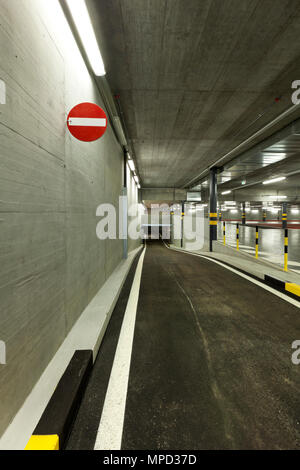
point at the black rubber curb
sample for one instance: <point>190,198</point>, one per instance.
<point>276,283</point>
<point>53,429</point>
<point>55,425</point>
<point>282,286</point>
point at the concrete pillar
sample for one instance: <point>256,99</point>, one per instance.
<point>212,207</point>
<point>284,215</point>
<point>244,213</point>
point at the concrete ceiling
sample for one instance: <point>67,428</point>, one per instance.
<point>196,78</point>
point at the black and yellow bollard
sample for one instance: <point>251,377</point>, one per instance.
<point>213,222</point>
<point>286,248</point>
<point>220,215</point>
<point>256,241</point>
<point>244,213</point>
<point>224,233</point>
<point>264,216</point>
<point>284,220</point>
<point>237,237</point>
<point>182,217</point>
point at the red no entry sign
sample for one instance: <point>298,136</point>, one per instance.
<point>87,122</point>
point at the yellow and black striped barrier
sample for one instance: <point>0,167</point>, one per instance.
<point>237,237</point>
<point>50,442</point>
<point>220,215</point>
<point>292,288</point>
<point>243,218</point>
<point>256,241</point>
<point>53,428</point>
<point>213,218</point>
<point>224,233</point>
<point>283,286</point>
<point>286,248</point>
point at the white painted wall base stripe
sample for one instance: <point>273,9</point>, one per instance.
<point>88,122</point>
<point>109,436</point>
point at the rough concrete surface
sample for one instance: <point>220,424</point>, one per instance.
<point>211,363</point>
<point>52,263</point>
<point>196,78</point>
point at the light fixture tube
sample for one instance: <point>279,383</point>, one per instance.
<point>274,180</point>
<point>226,192</point>
<point>86,32</point>
<point>131,165</point>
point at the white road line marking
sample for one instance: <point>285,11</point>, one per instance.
<point>296,303</point>
<point>109,436</point>
<point>89,122</point>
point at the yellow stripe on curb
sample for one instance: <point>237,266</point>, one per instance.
<point>293,288</point>
<point>50,442</point>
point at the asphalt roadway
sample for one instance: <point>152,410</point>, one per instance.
<point>211,362</point>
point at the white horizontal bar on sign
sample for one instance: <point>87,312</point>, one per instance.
<point>89,122</point>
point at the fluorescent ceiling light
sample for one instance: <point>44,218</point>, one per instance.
<point>139,186</point>
<point>274,198</point>
<point>277,154</point>
<point>136,179</point>
<point>226,192</point>
<point>85,30</point>
<point>281,178</point>
<point>234,211</point>
<point>131,165</point>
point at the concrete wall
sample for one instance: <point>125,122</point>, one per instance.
<point>163,194</point>
<point>51,262</point>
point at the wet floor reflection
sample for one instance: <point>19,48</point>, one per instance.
<point>271,243</point>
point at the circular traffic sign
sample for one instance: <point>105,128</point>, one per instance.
<point>87,122</point>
